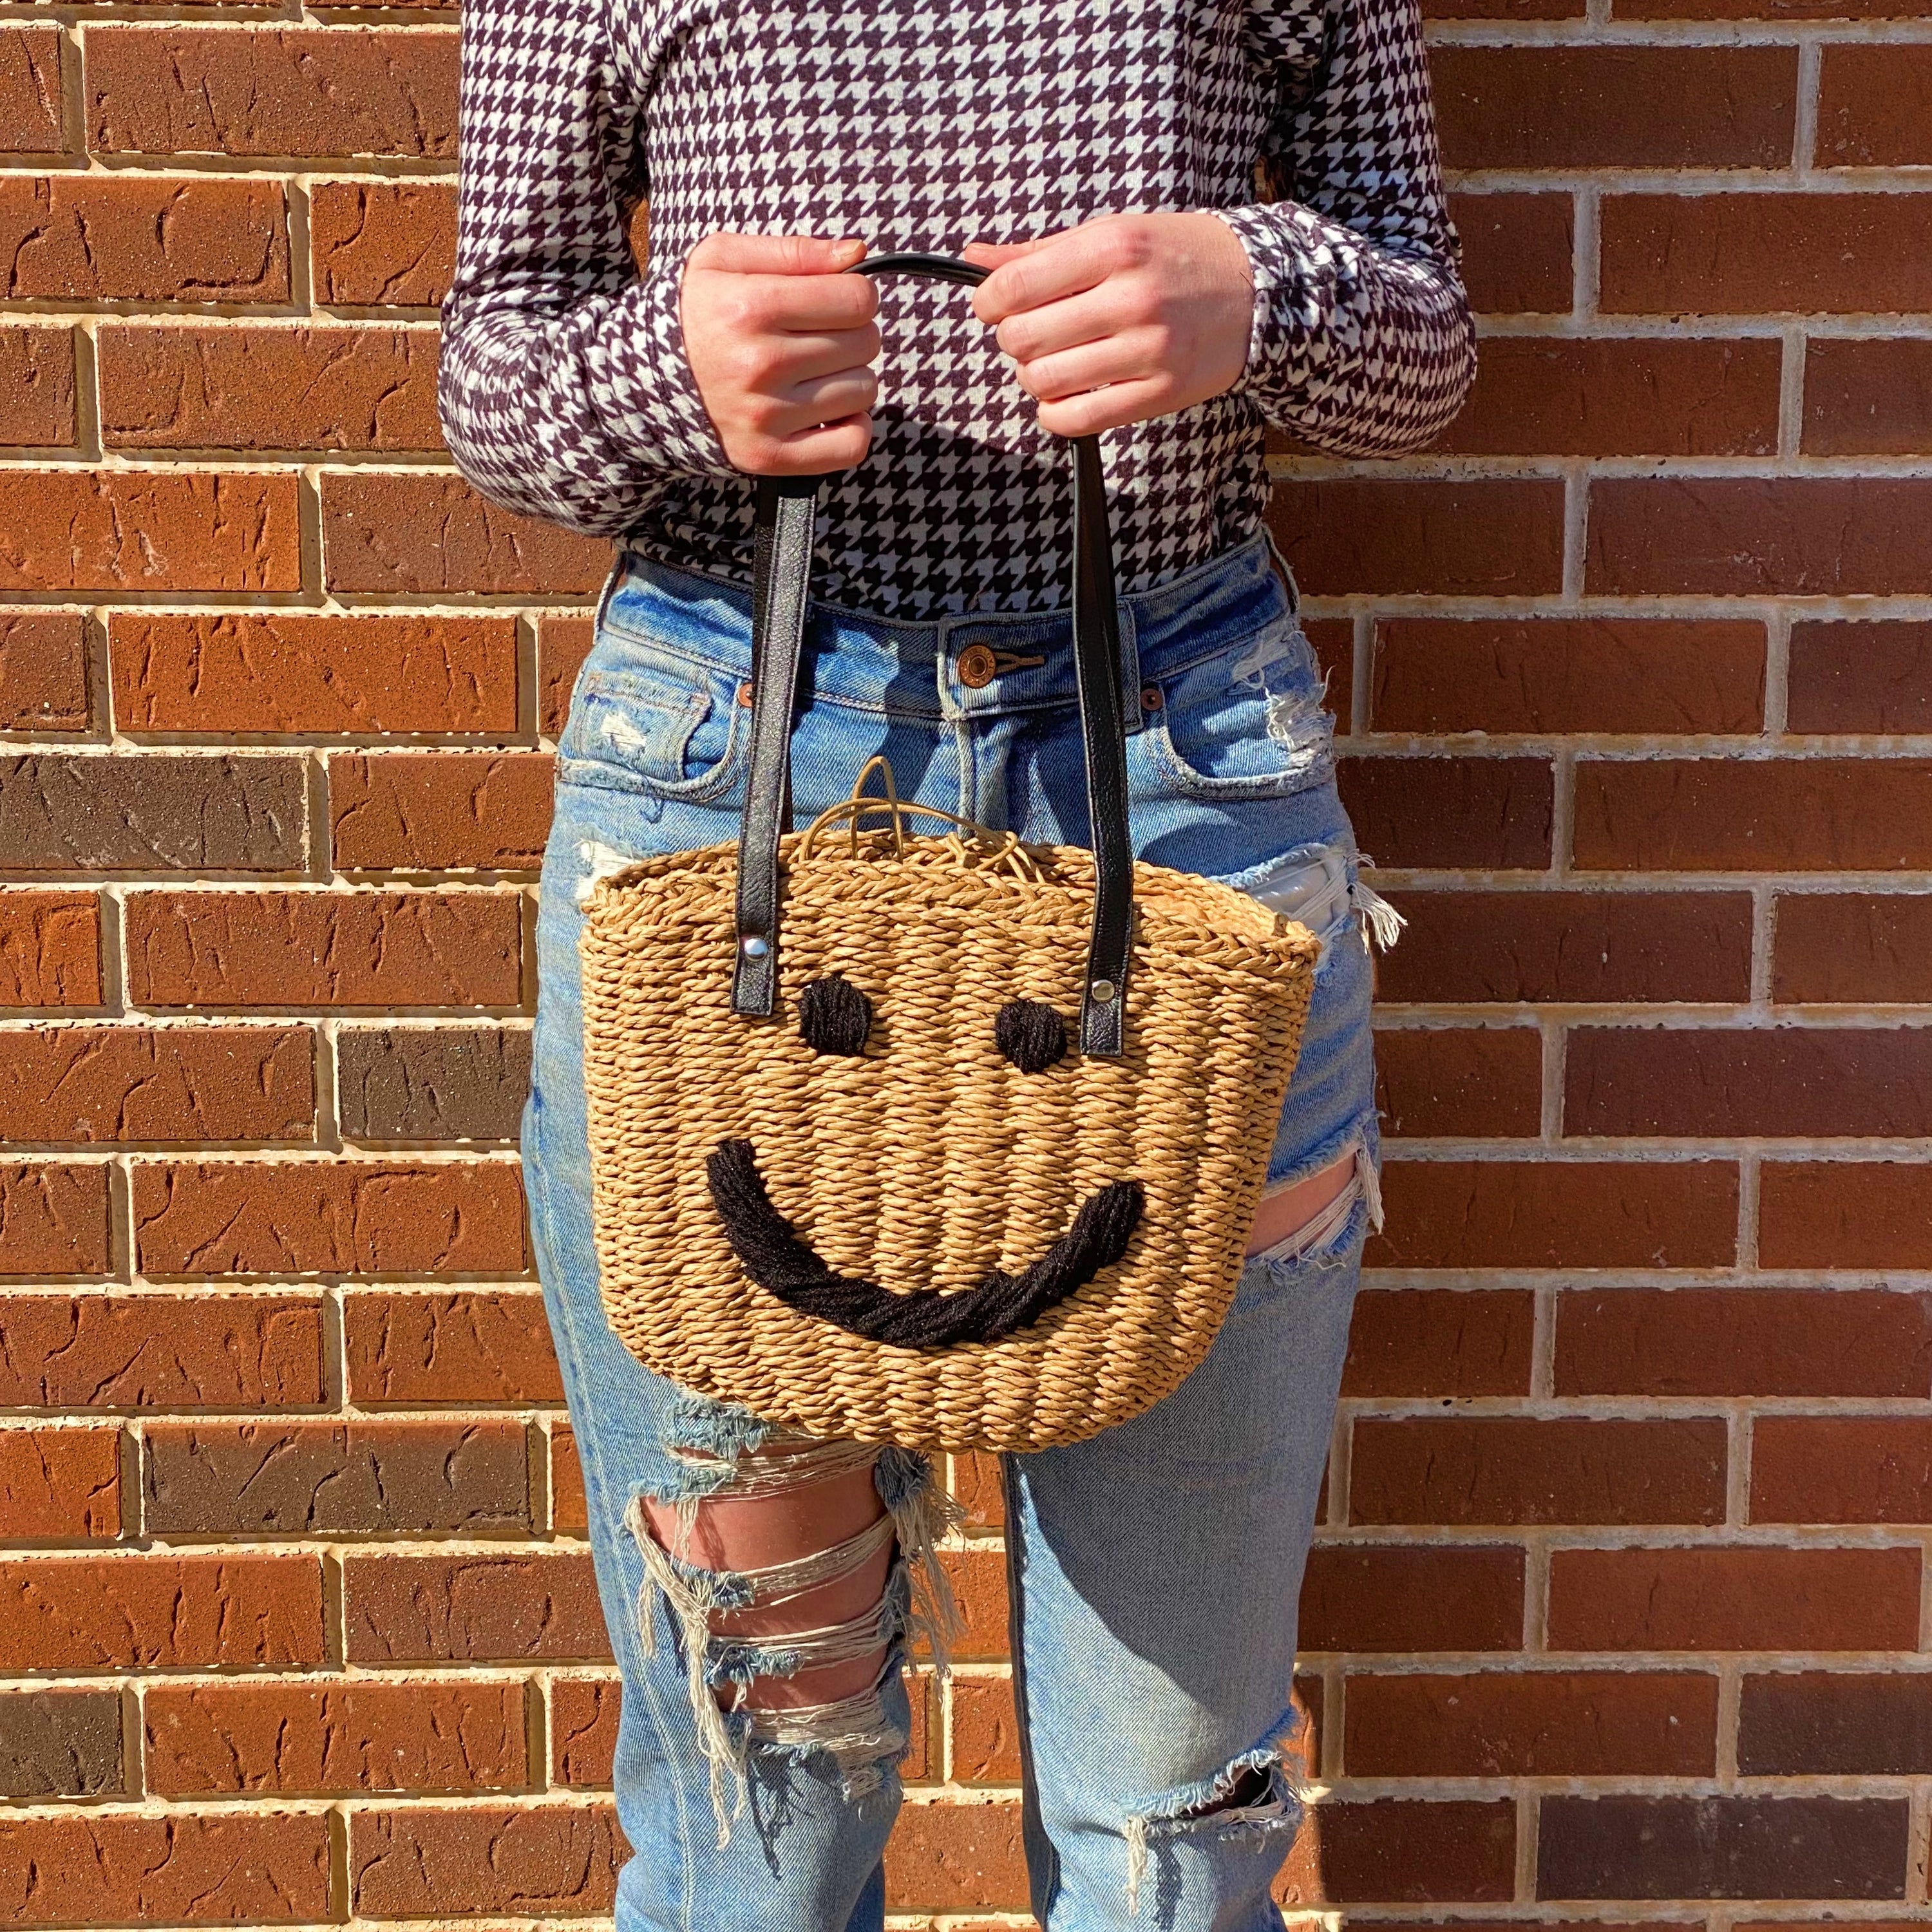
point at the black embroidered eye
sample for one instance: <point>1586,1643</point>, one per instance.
<point>1031,1035</point>
<point>834,1016</point>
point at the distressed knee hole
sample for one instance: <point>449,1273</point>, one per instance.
<point>793,1573</point>
<point>1257,1796</point>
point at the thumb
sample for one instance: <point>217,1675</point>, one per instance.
<point>774,254</point>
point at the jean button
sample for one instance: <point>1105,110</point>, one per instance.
<point>977,667</point>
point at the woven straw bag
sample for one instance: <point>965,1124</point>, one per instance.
<point>864,1184</point>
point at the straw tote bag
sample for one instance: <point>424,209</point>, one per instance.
<point>925,1136</point>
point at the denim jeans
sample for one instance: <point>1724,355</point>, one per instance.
<point>1154,1569</point>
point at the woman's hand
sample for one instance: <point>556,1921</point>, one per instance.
<point>1126,317</point>
<point>781,343</point>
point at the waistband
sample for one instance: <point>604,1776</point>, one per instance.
<point>979,663</point>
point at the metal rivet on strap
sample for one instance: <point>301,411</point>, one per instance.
<point>753,946</point>
<point>1103,992</point>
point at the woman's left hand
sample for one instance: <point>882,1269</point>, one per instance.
<point>1124,318</point>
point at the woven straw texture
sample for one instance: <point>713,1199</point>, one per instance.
<point>930,1160</point>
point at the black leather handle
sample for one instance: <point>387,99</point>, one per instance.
<point>781,589</point>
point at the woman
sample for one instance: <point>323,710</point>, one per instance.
<point>1103,160</point>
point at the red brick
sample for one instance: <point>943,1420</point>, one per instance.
<point>1565,674</point>
<point>1841,947</point>
<point>569,1507</point>
<point>1742,1341</point>
<point>334,1217</point>
<point>1400,1597</point>
<point>1751,254</point>
<point>1844,1214</point>
<point>1539,1724</point>
<point>979,1579</point>
<point>273,387</point>
<point>1484,813</point>
<point>323,1739</point>
<point>161,1352</point>
<point>108,1869</point>
<point>1570,946</point>
<point>467,1477</point>
<point>1868,396</point>
<point>440,810</point>
<point>53,1220</point>
<point>563,644</point>
<point>1517,252</point>
<point>1769,9</point>
<point>1864,1723</point>
<point>44,671</point>
<point>1440,1342</point>
<point>453,1347</point>
<point>584,1714</point>
<point>1493,1469</point>
<point>1464,1081</point>
<point>1403,1852</point>
<point>956,1858</point>
<point>1722,1847</point>
<point>389,243</point>
<point>83,529</point>
<point>274,672</point>
<point>1748,536</point>
<point>272,91</point>
<point>132,237</point>
<point>1861,677</point>
<point>160,1613</point>
<point>49,949</point>
<point>325,948</point>
<point>429,535</point>
<point>978,1487</point>
<point>1547,1214</point>
<point>60,1744</point>
<point>1840,1469</point>
<point>57,1483</point>
<point>1616,107</point>
<point>120,1083</point>
<point>424,1862</point>
<point>985,1731</point>
<point>1451,536</point>
<point>1871,107</point>
<point>1734,1599</point>
<point>529,1606</point>
<point>1783,815</point>
<point>1807,1081</point>
<point>30,91</point>
<point>37,382</point>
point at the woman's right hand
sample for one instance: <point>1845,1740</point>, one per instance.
<point>780,343</point>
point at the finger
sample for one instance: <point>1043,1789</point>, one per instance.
<point>1064,265</point>
<point>774,254</point>
<point>825,399</point>
<point>779,305</point>
<point>833,446</point>
<point>1129,358</point>
<point>1092,316</point>
<point>991,254</point>
<point>1111,408</point>
<point>802,358</point>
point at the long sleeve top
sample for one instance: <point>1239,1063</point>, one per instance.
<point>565,389</point>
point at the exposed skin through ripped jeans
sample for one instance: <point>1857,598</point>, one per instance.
<point>762,1589</point>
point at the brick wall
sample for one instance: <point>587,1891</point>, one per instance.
<point>1619,1598</point>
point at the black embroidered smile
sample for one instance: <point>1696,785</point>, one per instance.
<point>770,1250</point>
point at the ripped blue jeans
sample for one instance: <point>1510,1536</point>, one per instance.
<point>1154,1570</point>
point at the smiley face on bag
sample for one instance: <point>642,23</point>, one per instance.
<point>906,1207</point>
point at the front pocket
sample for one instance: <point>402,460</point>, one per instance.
<point>666,727</point>
<point>1247,723</point>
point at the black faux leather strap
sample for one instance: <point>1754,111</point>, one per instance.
<point>781,589</point>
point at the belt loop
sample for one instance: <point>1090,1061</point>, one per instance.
<point>1286,575</point>
<point>949,706</point>
<point>1131,708</point>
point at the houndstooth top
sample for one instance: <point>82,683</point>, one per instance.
<point>925,124</point>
